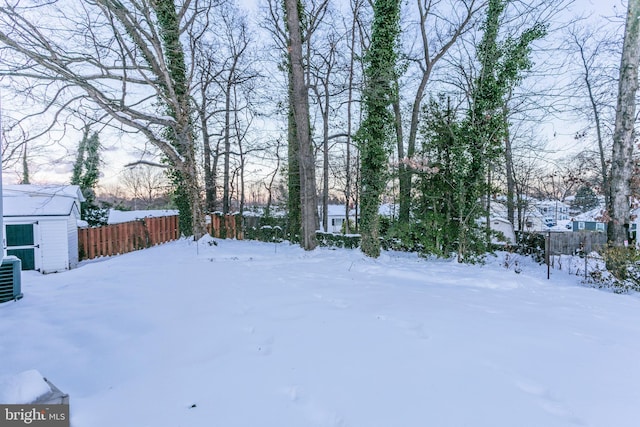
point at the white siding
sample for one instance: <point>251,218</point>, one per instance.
<point>54,245</point>
<point>72,238</point>
<point>335,224</point>
<point>505,228</point>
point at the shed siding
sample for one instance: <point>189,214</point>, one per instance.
<point>72,241</point>
<point>54,246</point>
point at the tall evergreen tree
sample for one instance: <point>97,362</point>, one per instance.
<point>86,171</point>
<point>444,212</point>
<point>585,200</point>
<point>376,133</point>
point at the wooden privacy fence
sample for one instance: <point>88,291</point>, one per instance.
<point>126,237</point>
<point>225,226</point>
<point>570,243</point>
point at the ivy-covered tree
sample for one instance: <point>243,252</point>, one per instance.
<point>180,136</point>
<point>132,69</point>
<point>376,134</point>
<point>501,67</point>
<point>460,152</point>
<point>86,171</point>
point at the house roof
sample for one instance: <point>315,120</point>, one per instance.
<point>592,215</point>
<point>40,200</point>
<point>385,209</point>
<point>334,210</point>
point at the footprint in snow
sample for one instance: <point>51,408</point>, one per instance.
<point>548,402</point>
<point>265,347</point>
<point>334,302</point>
<point>415,329</point>
<point>317,413</point>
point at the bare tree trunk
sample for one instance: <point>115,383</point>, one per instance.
<point>325,164</point>
<point>227,149</point>
<point>352,61</point>
<point>300,96</point>
<point>242,190</point>
<point>347,192</point>
<point>595,110</point>
<point>323,102</point>
<point>623,137</point>
<point>404,173</point>
<point>269,187</point>
<point>25,165</point>
<point>508,160</point>
<point>209,169</point>
<point>604,173</point>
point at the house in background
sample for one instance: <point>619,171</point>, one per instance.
<point>537,215</point>
<point>553,211</point>
<point>590,221</point>
<point>41,225</point>
<point>589,226</point>
<point>336,217</point>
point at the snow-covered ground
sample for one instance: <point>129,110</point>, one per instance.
<point>261,335</point>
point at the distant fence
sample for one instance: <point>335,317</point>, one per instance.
<point>126,237</point>
<point>134,235</point>
<point>225,226</point>
<point>571,243</point>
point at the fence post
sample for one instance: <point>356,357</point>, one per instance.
<point>585,266</point>
<point>548,252</point>
<point>174,228</point>
<point>82,244</point>
<point>90,244</point>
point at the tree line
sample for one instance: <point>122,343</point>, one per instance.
<point>437,102</point>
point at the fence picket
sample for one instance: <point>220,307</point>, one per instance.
<point>126,237</point>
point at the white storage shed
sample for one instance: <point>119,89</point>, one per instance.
<point>41,225</point>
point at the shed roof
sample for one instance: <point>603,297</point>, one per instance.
<point>40,200</point>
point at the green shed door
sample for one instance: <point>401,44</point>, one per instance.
<point>27,256</point>
<point>18,236</point>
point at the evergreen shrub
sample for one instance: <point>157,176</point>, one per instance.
<point>330,240</point>
<point>622,273</point>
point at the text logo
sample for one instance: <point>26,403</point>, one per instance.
<point>34,415</point>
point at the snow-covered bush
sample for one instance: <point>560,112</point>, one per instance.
<point>349,241</point>
<point>623,268</point>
